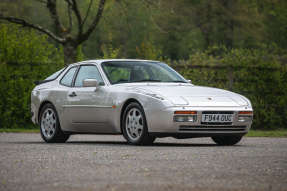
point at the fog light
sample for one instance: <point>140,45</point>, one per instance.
<point>179,118</point>
<point>185,118</point>
<point>244,118</point>
<point>191,118</point>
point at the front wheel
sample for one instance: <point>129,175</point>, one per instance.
<point>134,125</point>
<point>227,140</point>
<point>50,127</point>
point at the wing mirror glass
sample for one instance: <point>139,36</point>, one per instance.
<point>90,83</point>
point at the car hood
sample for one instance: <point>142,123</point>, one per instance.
<point>190,95</point>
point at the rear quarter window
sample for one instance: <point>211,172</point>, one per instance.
<point>67,79</point>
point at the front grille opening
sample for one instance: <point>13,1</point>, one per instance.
<point>212,128</point>
<point>218,112</point>
<point>216,123</point>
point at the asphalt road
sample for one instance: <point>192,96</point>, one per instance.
<point>93,162</point>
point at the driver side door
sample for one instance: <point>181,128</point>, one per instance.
<point>87,107</point>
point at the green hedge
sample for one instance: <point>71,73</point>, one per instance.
<point>260,75</point>
<point>25,57</point>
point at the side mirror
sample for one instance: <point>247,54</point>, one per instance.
<point>90,83</point>
<point>189,81</point>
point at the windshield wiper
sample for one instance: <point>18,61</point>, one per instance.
<point>180,81</point>
<point>147,80</point>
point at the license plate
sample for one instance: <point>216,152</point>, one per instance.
<point>217,118</point>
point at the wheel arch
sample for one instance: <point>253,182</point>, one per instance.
<point>127,102</point>
<point>41,106</point>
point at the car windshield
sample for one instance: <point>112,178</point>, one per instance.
<point>140,71</point>
<point>55,75</point>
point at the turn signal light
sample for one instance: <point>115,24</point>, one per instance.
<point>245,112</point>
<point>186,112</point>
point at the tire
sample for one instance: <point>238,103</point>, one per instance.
<point>134,126</point>
<point>50,128</point>
<point>227,140</point>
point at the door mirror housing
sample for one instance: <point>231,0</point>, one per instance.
<point>189,81</point>
<point>90,83</point>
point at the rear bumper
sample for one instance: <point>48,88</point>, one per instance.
<point>162,122</point>
<point>34,114</point>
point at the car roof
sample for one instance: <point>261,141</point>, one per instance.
<point>99,61</point>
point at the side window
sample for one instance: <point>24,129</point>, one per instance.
<point>87,72</point>
<point>68,77</point>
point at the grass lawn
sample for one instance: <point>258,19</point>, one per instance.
<point>19,130</point>
<point>252,133</point>
<point>270,133</point>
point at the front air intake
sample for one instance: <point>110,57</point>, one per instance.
<point>212,128</point>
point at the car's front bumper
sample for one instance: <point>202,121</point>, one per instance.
<point>162,121</point>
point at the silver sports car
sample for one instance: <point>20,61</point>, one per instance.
<point>141,99</point>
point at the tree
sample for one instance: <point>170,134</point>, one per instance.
<point>61,34</point>
<point>276,21</point>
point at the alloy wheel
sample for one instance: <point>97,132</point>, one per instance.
<point>48,123</point>
<point>134,124</point>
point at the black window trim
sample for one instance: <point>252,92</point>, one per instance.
<point>44,81</point>
<point>59,74</point>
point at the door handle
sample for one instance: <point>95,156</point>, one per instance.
<point>73,94</point>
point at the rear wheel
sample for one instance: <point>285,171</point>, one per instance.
<point>227,140</point>
<point>134,125</point>
<point>50,127</point>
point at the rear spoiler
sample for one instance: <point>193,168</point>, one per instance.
<point>38,82</point>
<point>44,81</point>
